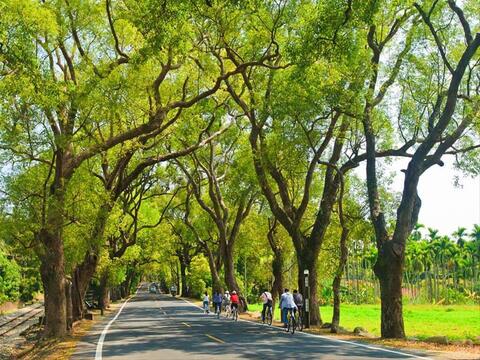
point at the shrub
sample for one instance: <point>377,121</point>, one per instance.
<point>9,279</point>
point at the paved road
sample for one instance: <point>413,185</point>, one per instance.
<point>154,326</point>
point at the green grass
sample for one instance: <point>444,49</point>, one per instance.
<point>421,321</point>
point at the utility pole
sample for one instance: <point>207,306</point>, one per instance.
<point>307,300</point>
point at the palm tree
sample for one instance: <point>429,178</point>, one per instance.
<point>475,234</point>
<point>443,248</point>
<point>414,266</point>
<point>473,250</point>
<point>433,234</point>
<point>460,235</point>
<point>416,233</point>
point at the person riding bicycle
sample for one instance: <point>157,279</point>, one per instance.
<point>206,303</point>
<point>287,304</point>
<point>298,298</point>
<point>226,302</point>
<point>217,302</point>
<point>234,300</point>
<point>267,303</point>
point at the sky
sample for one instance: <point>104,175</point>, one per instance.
<point>445,206</point>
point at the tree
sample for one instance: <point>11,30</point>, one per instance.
<point>56,85</point>
<point>228,199</point>
<point>441,133</point>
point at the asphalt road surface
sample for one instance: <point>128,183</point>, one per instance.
<point>152,326</point>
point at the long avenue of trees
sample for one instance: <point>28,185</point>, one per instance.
<point>223,136</point>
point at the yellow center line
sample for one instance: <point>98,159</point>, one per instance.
<point>216,339</point>
<point>184,323</point>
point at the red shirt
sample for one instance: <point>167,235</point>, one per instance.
<point>234,299</point>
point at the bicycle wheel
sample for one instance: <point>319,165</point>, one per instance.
<point>300,322</point>
<point>292,317</point>
<point>235,315</point>
<point>269,317</point>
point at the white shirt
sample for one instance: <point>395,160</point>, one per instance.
<point>266,297</point>
<point>286,301</point>
<point>206,298</point>
<point>226,298</point>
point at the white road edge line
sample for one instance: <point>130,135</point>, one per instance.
<point>98,351</point>
<point>331,338</point>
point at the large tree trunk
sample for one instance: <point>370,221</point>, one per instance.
<point>82,274</point>
<point>389,271</point>
<point>68,300</point>
<point>127,285</point>
<point>52,268</point>
<point>277,270</point>
<point>53,278</point>
<point>185,261</point>
<point>216,282</point>
<point>104,297</point>
<point>278,260</point>
<point>230,279</point>
<point>183,276</point>
<point>338,279</point>
<point>308,260</point>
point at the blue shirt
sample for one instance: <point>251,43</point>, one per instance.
<point>217,298</point>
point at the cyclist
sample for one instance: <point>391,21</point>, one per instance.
<point>226,303</point>
<point>217,302</point>
<point>267,303</point>
<point>173,290</point>
<point>206,303</point>
<point>287,304</point>
<point>298,298</point>
<point>234,300</point>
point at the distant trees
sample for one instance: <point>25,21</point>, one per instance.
<point>438,268</point>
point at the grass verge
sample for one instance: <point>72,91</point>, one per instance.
<point>457,322</point>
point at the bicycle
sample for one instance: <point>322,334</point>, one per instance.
<point>268,316</point>
<point>299,320</point>
<point>291,323</point>
<point>234,313</point>
<point>228,311</point>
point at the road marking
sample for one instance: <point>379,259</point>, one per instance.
<point>216,339</point>
<point>330,338</point>
<point>184,323</point>
<point>98,351</point>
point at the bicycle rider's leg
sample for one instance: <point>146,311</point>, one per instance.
<point>263,312</point>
